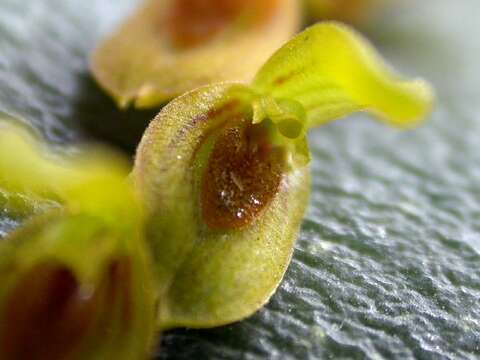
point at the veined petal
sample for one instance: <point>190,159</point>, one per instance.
<point>332,71</point>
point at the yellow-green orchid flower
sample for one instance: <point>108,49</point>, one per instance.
<point>224,169</point>
<point>76,280</point>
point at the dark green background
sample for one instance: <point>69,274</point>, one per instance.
<point>387,265</point>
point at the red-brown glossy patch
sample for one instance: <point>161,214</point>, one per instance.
<point>48,316</point>
<point>114,299</point>
<point>45,316</point>
<point>243,175</point>
<point>118,281</point>
<point>194,22</point>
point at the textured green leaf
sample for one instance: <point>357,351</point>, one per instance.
<point>386,265</point>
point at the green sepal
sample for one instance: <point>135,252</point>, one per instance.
<point>210,277</point>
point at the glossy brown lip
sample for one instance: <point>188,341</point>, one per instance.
<point>243,175</point>
<point>45,315</point>
<point>193,22</point>
<point>49,316</point>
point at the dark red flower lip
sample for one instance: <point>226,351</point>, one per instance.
<point>49,315</point>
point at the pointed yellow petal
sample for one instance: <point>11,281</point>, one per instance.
<point>332,71</point>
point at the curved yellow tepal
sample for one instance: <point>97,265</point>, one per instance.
<point>93,180</point>
<point>333,71</point>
